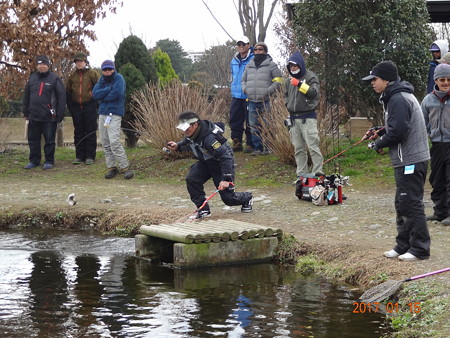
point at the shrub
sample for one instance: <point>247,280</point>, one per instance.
<point>5,132</point>
<point>276,135</point>
<point>157,108</point>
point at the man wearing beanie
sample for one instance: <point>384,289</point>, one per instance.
<point>261,78</point>
<point>110,92</point>
<point>438,49</point>
<point>436,111</point>
<point>406,136</point>
<point>83,109</point>
<point>44,101</point>
<point>302,99</point>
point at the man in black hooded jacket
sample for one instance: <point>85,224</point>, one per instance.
<point>44,102</point>
<point>302,99</point>
<point>215,160</point>
<point>405,135</point>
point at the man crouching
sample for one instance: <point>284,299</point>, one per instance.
<point>215,160</point>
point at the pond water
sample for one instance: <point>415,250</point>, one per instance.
<point>61,284</point>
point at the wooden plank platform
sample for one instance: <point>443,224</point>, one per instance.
<point>207,243</point>
<point>209,231</point>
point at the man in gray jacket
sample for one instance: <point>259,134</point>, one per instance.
<point>302,99</point>
<point>406,136</point>
<point>436,111</point>
<point>261,78</point>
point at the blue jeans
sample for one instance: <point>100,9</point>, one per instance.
<point>256,111</point>
<point>36,129</point>
<point>239,118</point>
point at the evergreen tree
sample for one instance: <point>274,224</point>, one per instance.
<point>136,64</point>
<point>133,50</point>
<point>181,63</point>
<point>163,67</point>
<point>341,43</point>
<point>134,81</point>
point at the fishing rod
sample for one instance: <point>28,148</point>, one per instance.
<point>92,132</point>
<point>370,133</point>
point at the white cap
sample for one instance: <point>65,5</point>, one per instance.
<point>244,39</point>
<point>185,124</point>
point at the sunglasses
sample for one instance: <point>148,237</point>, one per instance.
<point>259,49</point>
<point>241,44</point>
<point>442,80</point>
<point>107,69</point>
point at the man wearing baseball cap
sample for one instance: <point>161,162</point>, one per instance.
<point>215,160</point>
<point>239,104</point>
<point>405,135</point>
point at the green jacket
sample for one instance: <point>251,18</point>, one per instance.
<point>79,86</point>
<point>298,103</point>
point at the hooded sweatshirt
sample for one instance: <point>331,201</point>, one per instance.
<point>406,134</point>
<point>301,105</point>
<point>436,111</point>
<point>443,46</point>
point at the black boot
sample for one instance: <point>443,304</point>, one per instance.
<point>111,173</point>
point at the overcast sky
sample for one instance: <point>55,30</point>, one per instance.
<point>187,21</point>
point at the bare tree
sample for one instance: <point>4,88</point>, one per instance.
<point>56,28</point>
<point>252,18</point>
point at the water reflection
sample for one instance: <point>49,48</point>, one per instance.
<point>49,293</point>
<point>79,285</point>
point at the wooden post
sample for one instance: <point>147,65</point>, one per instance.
<point>60,134</point>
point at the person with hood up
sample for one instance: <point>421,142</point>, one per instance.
<point>302,99</point>
<point>83,109</point>
<point>44,100</point>
<point>438,49</point>
<point>239,102</point>
<point>405,134</point>
<point>261,78</point>
<point>436,111</point>
<point>215,160</point>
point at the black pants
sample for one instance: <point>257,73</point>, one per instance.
<point>200,173</point>
<point>37,129</point>
<point>239,117</point>
<point>84,119</point>
<point>412,229</point>
<point>440,178</point>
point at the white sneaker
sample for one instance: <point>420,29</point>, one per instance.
<point>407,257</point>
<point>391,254</point>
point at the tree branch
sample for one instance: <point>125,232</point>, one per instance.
<point>7,64</point>
<point>217,20</point>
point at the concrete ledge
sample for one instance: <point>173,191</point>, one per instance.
<point>210,254</point>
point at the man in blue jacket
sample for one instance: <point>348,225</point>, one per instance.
<point>239,102</point>
<point>44,101</point>
<point>110,92</point>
